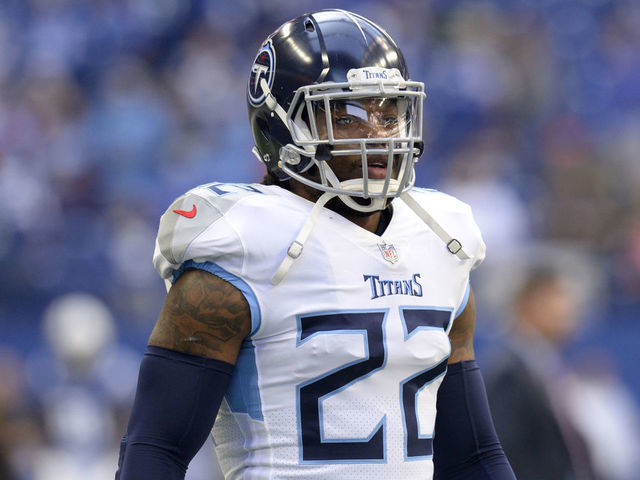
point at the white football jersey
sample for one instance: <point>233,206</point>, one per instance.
<point>338,379</point>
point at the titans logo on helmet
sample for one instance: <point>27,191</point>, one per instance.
<point>263,67</point>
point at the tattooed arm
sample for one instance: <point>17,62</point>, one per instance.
<point>465,443</point>
<point>461,334</point>
<point>203,315</point>
<point>183,376</point>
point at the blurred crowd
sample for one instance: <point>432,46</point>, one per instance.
<point>109,109</point>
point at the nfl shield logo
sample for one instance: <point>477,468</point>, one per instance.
<point>389,252</point>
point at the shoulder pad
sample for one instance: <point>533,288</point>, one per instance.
<point>456,218</point>
<point>193,213</point>
<point>435,199</point>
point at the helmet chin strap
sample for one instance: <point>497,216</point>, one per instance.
<point>374,205</point>
<point>296,247</point>
<point>356,185</point>
<point>454,246</point>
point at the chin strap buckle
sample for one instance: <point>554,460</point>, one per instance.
<point>454,246</point>
<point>295,249</point>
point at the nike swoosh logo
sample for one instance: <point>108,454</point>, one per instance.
<point>189,214</point>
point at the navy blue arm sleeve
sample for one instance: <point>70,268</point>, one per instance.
<point>465,443</point>
<point>176,403</point>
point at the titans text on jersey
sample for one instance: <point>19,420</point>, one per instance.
<point>381,288</point>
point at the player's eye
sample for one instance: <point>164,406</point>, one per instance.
<point>344,120</point>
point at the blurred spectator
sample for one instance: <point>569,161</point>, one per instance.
<point>524,384</point>
<point>605,413</point>
<point>20,432</point>
<point>82,383</point>
<point>578,415</point>
<point>580,201</point>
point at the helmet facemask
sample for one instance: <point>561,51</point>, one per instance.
<point>375,118</point>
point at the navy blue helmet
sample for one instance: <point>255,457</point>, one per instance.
<point>333,84</point>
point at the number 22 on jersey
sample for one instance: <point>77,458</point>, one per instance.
<point>370,324</point>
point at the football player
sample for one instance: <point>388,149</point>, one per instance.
<point>320,324</point>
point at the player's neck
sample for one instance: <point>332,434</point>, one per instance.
<point>368,221</point>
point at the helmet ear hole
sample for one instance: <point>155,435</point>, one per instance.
<point>263,126</point>
<point>308,26</point>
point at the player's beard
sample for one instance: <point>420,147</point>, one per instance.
<point>336,204</point>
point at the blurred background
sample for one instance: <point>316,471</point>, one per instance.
<point>109,109</point>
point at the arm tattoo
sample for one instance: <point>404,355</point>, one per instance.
<point>461,334</point>
<point>203,315</point>
<point>461,343</point>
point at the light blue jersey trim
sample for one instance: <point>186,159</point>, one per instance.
<point>243,393</point>
<point>423,189</point>
<point>464,302</point>
<point>237,282</point>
